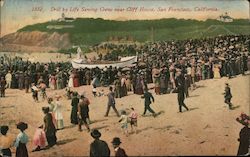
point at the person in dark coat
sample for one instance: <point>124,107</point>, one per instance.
<point>98,147</point>
<point>244,136</point>
<point>2,87</point>
<point>111,102</point>
<point>83,113</point>
<point>186,86</point>
<point>181,90</point>
<point>228,96</point>
<point>245,62</point>
<point>74,104</point>
<point>27,82</point>
<point>49,127</point>
<point>119,152</point>
<point>21,80</point>
<point>148,96</point>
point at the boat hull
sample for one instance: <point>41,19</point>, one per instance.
<point>125,62</point>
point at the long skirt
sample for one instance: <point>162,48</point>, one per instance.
<point>157,90</point>
<point>76,82</point>
<point>21,150</point>
<point>51,140</point>
<point>39,139</point>
<point>139,91</point>
<point>71,84</point>
<point>59,124</point>
<point>73,116</point>
<point>6,152</point>
<point>54,119</point>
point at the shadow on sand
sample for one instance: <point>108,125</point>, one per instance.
<point>70,126</point>
<point>101,127</point>
<point>12,106</point>
<point>147,128</point>
<point>235,107</point>
<point>99,120</point>
<point>165,127</point>
<point>191,109</point>
<point>62,142</point>
<point>191,96</point>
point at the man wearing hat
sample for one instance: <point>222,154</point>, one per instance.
<point>228,96</point>
<point>111,102</point>
<point>148,96</point>
<point>98,147</point>
<point>2,87</point>
<point>244,136</point>
<point>118,151</point>
<point>181,91</point>
<point>83,112</point>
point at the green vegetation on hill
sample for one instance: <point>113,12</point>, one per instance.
<point>89,31</point>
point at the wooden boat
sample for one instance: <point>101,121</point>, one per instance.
<point>124,62</point>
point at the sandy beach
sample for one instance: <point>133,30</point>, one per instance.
<point>209,128</point>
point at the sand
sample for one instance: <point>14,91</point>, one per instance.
<point>209,128</point>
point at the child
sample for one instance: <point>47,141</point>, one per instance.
<point>133,122</point>
<point>34,91</point>
<point>124,122</point>
<point>43,87</point>
<point>21,140</point>
<point>101,93</point>
<point>39,139</point>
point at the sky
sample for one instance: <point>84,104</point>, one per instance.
<point>16,14</point>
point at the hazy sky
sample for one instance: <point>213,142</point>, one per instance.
<point>16,14</point>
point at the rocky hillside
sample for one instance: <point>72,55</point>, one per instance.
<point>35,41</point>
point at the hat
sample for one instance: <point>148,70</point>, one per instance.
<point>45,109</point>
<point>123,112</point>
<point>75,94</point>
<point>157,75</point>
<point>243,119</point>
<point>22,126</point>
<point>116,141</point>
<point>95,133</point>
<point>4,129</point>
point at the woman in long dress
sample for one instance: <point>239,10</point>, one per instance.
<point>76,79</point>
<point>58,113</point>
<point>70,83</point>
<point>128,83</point>
<point>216,71</point>
<point>157,84</point>
<point>74,104</point>
<point>39,139</point>
<point>52,81</point>
<point>21,140</point>
<point>51,106</point>
<point>49,127</point>
<point>139,86</point>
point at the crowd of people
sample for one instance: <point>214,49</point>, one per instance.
<point>172,66</point>
<point>158,63</point>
